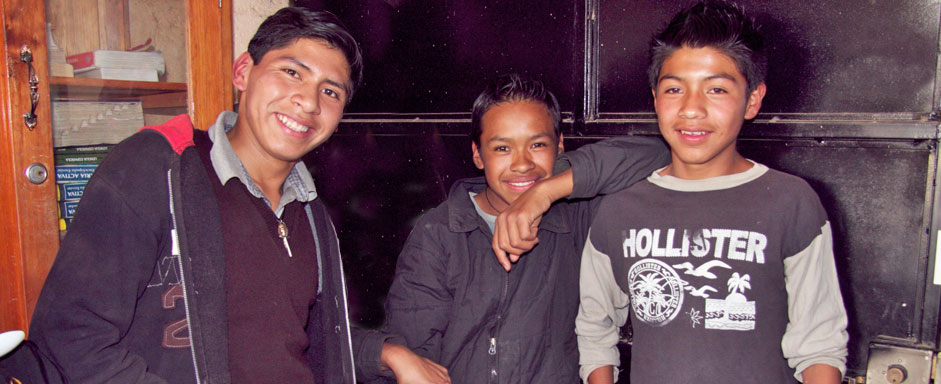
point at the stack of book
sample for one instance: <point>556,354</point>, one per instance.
<point>74,167</point>
<point>76,123</point>
<point>118,65</point>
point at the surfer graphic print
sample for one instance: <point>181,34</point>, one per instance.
<point>703,271</point>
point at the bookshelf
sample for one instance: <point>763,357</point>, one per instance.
<point>198,81</point>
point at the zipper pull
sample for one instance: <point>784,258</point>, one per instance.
<point>283,234</point>
<point>493,346</point>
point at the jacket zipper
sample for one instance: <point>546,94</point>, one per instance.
<point>175,251</point>
<point>495,335</point>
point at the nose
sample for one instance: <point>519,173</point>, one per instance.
<point>307,100</point>
<point>522,162</point>
<point>692,106</point>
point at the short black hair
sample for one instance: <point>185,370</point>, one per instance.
<point>718,25</point>
<point>289,24</point>
<point>513,87</point>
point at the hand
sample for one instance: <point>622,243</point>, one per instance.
<point>409,368</point>
<point>516,228</point>
<point>821,374</point>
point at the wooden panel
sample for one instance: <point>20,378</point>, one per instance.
<point>113,30</point>
<point>74,24</point>
<point>162,21</point>
<point>29,233</point>
<point>209,65</point>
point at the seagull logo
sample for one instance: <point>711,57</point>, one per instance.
<point>702,270</point>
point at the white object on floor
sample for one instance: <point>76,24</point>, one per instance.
<point>10,340</point>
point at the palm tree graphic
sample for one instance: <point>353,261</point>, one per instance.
<point>738,283</point>
<point>649,294</point>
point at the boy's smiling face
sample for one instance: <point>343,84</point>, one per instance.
<point>701,101</point>
<point>291,102</point>
<point>518,146</point>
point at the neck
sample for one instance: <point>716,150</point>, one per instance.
<point>486,203</point>
<point>713,168</point>
<point>266,172</point>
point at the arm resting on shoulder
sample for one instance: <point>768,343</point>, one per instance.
<point>594,169</point>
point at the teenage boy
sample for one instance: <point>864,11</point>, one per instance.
<point>451,302</point>
<point>724,266</point>
<point>206,256</point>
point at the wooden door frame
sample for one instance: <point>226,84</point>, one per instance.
<point>29,236</point>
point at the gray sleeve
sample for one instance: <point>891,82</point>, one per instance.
<point>816,329</point>
<point>613,164</point>
<point>603,309</point>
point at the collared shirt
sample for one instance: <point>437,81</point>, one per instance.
<point>299,185</point>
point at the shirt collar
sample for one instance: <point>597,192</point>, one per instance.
<point>299,185</point>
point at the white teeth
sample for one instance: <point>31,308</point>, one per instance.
<point>293,125</point>
<point>693,133</point>
<point>523,184</point>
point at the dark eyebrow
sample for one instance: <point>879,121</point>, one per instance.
<point>710,77</point>
<point>722,76</point>
<point>533,137</point>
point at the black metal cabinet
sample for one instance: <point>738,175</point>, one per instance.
<point>851,107</point>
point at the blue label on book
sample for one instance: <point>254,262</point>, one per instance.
<point>71,191</point>
<point>70,173</point>
<point>67,209</point>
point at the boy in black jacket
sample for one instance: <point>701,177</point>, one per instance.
<point>451,302</point>
<point>200,256</point>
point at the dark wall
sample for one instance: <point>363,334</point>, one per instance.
<point>850,108</point>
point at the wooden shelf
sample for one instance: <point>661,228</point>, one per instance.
<point>153,94</point>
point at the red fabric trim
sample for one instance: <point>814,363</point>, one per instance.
<point>178,131</point>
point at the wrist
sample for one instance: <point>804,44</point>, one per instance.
<point>557,187</point>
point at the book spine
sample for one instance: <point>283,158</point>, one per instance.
<point>71,191</point>
<point>73,173</point>
<point>81,60</point>
<point>83,149</point>
<point>79,158</point>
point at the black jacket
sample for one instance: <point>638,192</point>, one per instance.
<point>453,303</point>
<point>137,292</point>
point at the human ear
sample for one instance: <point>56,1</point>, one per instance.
<point>478,161</point>
<point>754,101</point>
<point>561,146</point>
<point>241,67</point>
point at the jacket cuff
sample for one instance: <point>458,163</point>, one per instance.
<point>369,354</point>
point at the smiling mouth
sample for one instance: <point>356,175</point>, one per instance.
<point>292,124</point>
<point>520,186</point>
<point>694,133</point>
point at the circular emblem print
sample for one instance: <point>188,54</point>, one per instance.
<point>656,292</point>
